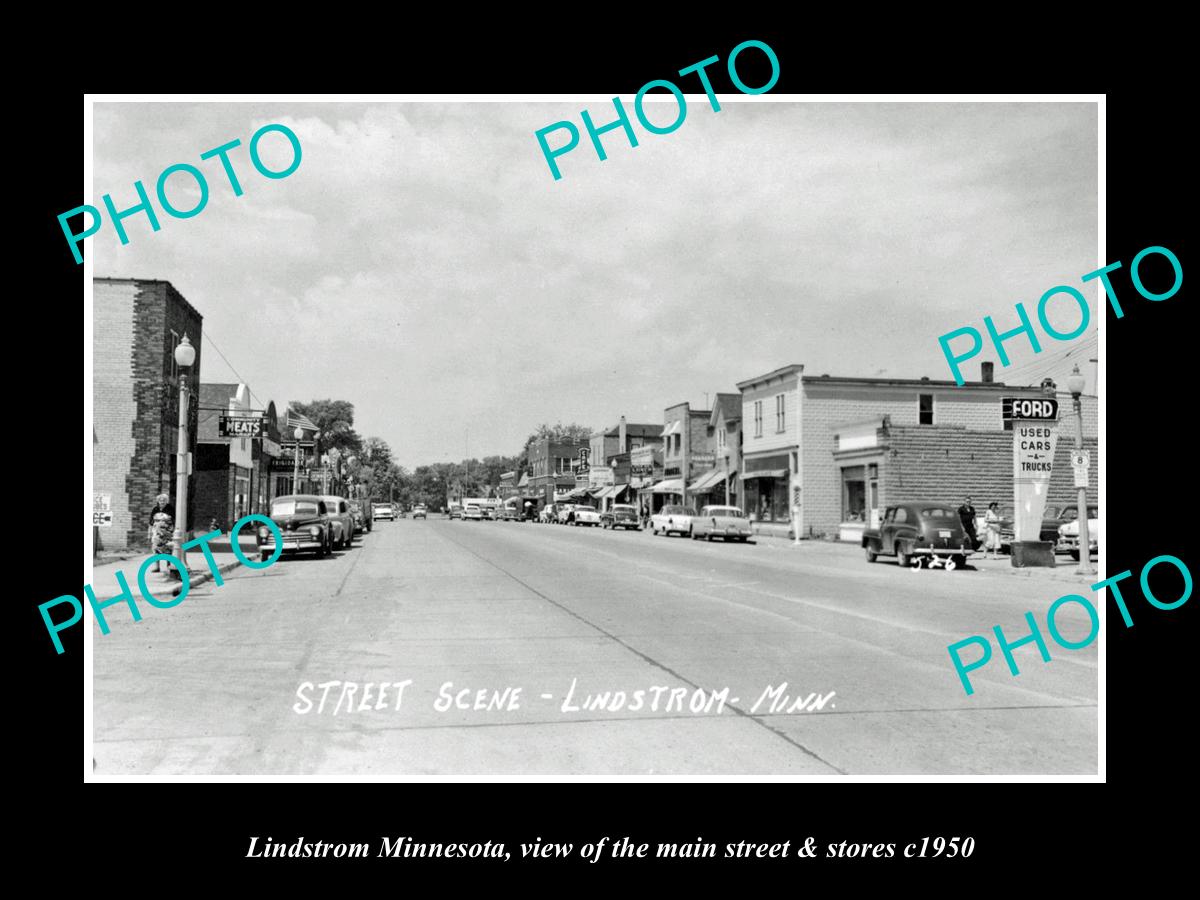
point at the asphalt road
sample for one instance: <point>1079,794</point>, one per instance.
<point>211,686</point>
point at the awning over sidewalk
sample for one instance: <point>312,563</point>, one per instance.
<point>673,486</point>
<point>766,473</point>
<point>709,480</point>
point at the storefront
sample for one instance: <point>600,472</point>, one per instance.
<point>765,485</point>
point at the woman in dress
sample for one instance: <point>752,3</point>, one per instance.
<point>162,524</point>
<point>991,521</point>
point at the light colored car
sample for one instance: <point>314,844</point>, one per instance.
<point>419,512</point>
<point>1068,532</point>
<point>341,521</point>
<point>383,511</point>
<point>563,512</point>
<point>672,519</point>
<point>726,522</point>
<point>472,511</point>
<point>585,515</point>
<point>548,514</point>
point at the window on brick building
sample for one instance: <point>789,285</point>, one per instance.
<point>925,409</point>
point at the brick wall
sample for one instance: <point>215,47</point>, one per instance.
<point>113,409</point>
<point>945,463</point>
<point>135,401</point>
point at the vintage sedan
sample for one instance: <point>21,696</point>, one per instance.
<point>584,515</point>
<point>548,514</point>
<point>562,513</point>
<point>304,523</point>
<point>918,534</point>
<point>341,521</point>
<point>383,511</point>
<point>455,511</point>
<point>673,520</point>
<point>622,515</point>
<point>726,522</point>
<point>420,512</point>
<point>1068,532</point>
<point>472,512</point>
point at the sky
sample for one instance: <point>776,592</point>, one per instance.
<point>423,263</point>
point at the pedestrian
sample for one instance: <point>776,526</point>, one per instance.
<point>966,513</point>
<point>162,523</point>
<point>991,520</point>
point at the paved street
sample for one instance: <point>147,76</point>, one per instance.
<point>210,686</point>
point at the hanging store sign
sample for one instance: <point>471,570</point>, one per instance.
<point>241,426</point>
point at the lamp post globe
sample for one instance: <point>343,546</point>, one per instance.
<point>1075,383</point>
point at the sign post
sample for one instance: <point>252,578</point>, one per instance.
<point>1035,438</point>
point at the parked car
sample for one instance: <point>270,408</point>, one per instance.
<point>672,520</point>
<point>304,524</point>
<point>920,533</point>
<point>726,522</point>
<point>548,514</point>
<point>489,512</point>
<point>562,512</point>
<point>362,516</point>
<point>383,511</point>
<point>472,511</point>
<point>419,512</point>
<point>455,511</point>
<point>622,515</point>
<point>1068,532</point>
<point>341,521</point>
<point>584,515</point>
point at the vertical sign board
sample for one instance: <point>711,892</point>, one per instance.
<point>102,510</point>
<point>1035,436</point>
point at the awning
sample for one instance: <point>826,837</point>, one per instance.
<point>674,486</point>
<point>577,494</point>
<point>673,428</point>
<point>618,490</point>
<point>708,481</point>
<point>598,491</point>
<point>766,473</point>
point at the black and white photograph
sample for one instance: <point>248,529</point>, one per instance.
<point>530,438</point>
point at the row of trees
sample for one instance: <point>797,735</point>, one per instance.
<point>430,484</point>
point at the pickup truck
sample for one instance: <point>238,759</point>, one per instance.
<point>918,534</point>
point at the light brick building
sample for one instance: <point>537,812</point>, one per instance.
<point>851,446</point>
<point>135,399</point>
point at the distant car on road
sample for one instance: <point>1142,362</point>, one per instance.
<point>304,524</point>
<point>419,512</point>
<point>726,522</point>
<point>672,519</point>
<point>455,511</point>
<point>472,512</point>
<point>341,521</point>
<point>918,534</point>
<point>583,515</point>
<point>383,511</point>
<point>622,515</point>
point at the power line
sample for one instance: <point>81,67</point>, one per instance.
<point>207,335</point>
<point>1016,373</point>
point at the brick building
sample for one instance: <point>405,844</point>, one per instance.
<point>552,467</point>
<point>851,446</point>
<point>687,452</point>
<point>224,468</point>
<point>611,450</point>
<point>135,400</point>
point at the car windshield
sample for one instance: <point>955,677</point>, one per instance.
<point>731,511</point>
<point>293,508</point>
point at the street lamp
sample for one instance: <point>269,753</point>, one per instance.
<point>297,433</point>
<point>185,355</point>
<point>1075,384</point>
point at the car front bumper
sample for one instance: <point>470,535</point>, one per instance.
<point>292,544</point>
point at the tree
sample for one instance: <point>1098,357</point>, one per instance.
<point>335,420</point>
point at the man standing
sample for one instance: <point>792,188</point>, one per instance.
<point>966,513</point>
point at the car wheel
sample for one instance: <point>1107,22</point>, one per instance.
<point>902,557</point>
<point>959,560</point>
<point>871,555</point>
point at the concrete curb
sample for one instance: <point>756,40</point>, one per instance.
<point>202,576</point>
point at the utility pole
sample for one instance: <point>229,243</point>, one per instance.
<point>683,462</point>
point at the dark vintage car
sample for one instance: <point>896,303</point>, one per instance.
<point>622,515</point>
<point>304,522</point>
<point>918,534</point>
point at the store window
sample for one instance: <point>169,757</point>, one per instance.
<point>925,409</point>
<point>854,494</point>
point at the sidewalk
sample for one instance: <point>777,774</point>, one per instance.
<point>1064,569</point>
<point>104,572</point>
